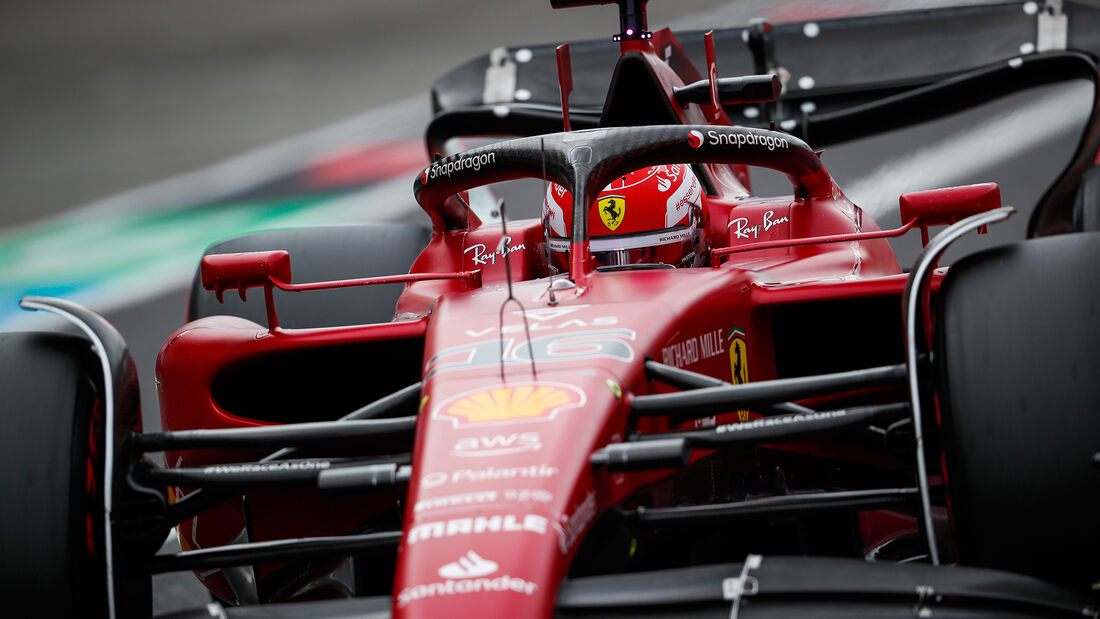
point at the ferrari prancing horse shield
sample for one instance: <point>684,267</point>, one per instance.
<point>612,209</point>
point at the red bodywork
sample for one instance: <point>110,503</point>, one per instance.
<point>502,491</point>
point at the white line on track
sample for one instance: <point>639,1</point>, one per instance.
<point>398,120</point>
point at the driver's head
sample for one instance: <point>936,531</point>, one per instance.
<point>650,216</point>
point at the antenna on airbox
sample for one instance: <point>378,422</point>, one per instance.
<point>633,25</point>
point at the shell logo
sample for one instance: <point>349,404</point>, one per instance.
<point>510,404</point>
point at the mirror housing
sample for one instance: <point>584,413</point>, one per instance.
<point>242,271</point>
<point>942,207</point>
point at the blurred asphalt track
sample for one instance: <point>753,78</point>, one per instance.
<point>124,111</point>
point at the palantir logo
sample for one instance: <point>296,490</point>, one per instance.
<point>469,566</point>
<point>695,138</point>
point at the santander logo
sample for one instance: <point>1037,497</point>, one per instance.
<point>469,566</point>
<point>467,575</point>
<point>695,138</point>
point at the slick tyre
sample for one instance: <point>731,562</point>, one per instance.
<point>1018,356</point>
<point>321,254</point>
<point>51,442</point>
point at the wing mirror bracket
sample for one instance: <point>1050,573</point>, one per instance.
<point>255,269</point>
<point>943,207</point>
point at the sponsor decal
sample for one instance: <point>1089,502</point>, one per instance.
<point>496,445</point>
<point>739,363</point>
<point>475,525</point>
<point>742,229</point>
<point>687,195</point>
<point>544,314</point>
<point>471,565</point>
<point>492,473</point>
<point>469,574</point>
<point>455,500</point>
<point>483,497</point>
<point>739,139</point>
<point>768,422</point>
<point>555,215</point>
<point>573,525</point>
<point>264,467</point>
<point>518,402</point>
<point>739,356</point>
<point>543,322</point>
<point>614,344</point>
<point>615,388</point>
<point>695,139</point>
<point>693,349</point>
<point>480,257</point>
<point>612,210</point>
<point>464,162</point>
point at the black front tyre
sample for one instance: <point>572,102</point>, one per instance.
<point>1018,351</point>
<point>52,450</point>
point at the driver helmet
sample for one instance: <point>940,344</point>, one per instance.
<point>651,216</point>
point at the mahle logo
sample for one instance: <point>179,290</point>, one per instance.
<point>522,402</point>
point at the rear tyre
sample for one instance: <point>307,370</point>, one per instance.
<point>320,254</point>
<point>1018,351</point>
<point>51,445</point>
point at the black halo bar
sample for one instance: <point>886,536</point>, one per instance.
<point>714,400</point>
<point>312,434</point>
<point>784,428</point>
<point>202,500</point>
<point>686,379</point>
<point>277,551</point>
<point>777,505</point>
<point>344,474</point>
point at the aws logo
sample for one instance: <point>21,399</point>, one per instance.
<point>511,403</point>
<point>612,211</point>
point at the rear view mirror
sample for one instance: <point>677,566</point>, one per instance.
<point>942,207</point>
<point>242,271</point>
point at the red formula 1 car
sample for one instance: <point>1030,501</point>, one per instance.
<point>661,395</point>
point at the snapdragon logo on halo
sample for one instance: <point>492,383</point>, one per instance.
<point>742,138</point>
<point>464,162</point>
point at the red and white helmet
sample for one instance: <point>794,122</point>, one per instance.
<point>650,216</point>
